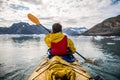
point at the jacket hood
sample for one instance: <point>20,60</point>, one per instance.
<point>56,37</point>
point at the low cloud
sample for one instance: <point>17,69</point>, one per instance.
<point>38,2</point>
<point>18,7</point>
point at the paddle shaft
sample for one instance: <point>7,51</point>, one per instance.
<point>45,28</point>
<point>81,56</point>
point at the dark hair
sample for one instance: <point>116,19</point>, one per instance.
<point>57,27</point>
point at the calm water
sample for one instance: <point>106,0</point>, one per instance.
<point>20,55</point>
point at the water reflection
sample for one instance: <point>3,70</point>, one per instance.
<point>22,39</point>
<point>109,45</point>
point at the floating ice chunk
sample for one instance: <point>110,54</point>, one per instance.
<point>110,43</point>
<point>98,38</point>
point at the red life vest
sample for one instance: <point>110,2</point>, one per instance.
<point>59,48</point>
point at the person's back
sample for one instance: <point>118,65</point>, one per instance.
<point>58,42</point>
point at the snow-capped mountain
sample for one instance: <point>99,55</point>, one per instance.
<point>74,31</point>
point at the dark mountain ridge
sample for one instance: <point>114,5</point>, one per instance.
<point>23,28</point>
<point>109,27</point>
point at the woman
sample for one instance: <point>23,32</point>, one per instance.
<point>58,43</point>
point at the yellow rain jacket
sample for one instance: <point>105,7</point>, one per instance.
<point>56,37</point>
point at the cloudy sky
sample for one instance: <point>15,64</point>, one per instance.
<point>70,13</point>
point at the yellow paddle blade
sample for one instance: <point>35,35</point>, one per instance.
<point>33,19</point>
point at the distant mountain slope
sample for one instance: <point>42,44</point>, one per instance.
<point>109,27</point>
<point>74,31</point>
<point>3,30</point>
<point>23,28</point>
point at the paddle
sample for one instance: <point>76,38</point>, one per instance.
<point>86,60</point>
<point>37,22</point>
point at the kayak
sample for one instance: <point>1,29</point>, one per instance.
<point>58,69</point>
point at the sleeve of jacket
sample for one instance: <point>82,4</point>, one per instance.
<point>47,40</point>
<point>71,45</point>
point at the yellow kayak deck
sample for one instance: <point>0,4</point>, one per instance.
<point>57,66</point>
